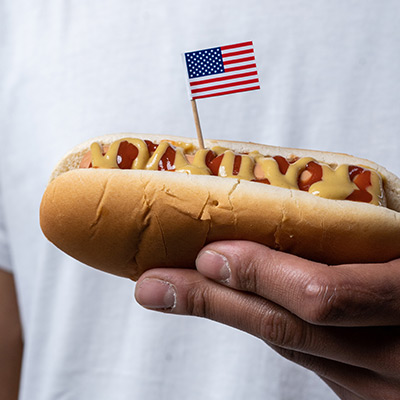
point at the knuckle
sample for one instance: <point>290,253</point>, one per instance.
<point>342,299</point>
<point>197,302</point>
<point>247,277</point>
<point>280,329</point>
<point>325,302</point>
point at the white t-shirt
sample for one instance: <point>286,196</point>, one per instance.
<point>71,70</point>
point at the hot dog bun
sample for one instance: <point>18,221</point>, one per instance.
<point>127,221</point>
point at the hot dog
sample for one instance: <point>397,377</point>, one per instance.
<point>125,203</point>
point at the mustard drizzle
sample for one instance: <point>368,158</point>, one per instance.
<point>335,184</point>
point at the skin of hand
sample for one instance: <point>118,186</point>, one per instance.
<point>11,342</point>
<point>342,322</point>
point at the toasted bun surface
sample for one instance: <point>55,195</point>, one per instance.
<point>127,221</point>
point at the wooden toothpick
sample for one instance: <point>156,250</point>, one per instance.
<point>197,123</point>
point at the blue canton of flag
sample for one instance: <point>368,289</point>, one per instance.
<point>222,70</point>
<point>204,62</point>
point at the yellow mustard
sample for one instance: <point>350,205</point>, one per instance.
<point>335,183</point>
<point>270,169</point>
<point>246,170</point>
<point>110,159</point>
<point>197,167</point>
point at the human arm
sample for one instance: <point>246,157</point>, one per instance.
<point>11,344</point>
<point>342,322</point>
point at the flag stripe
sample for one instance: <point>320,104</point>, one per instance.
<point>227,92</point>
<point>224,78</point>
<point>235,46</point>
<point>237,53</point>
<point>228,62</point>
<point>238,82</point>
<point>219,76</point>
<point>225,85</point>
<point>241,67</point>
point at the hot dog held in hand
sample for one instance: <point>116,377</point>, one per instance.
<point>125,203</point>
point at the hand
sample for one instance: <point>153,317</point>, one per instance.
<point>342,322</point>
<point>11,343</point>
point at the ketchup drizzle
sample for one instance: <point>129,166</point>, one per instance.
<point>127,153</point>
<point>151,146</point>
<point>316,175</point>
<point>360,195</point>
<point>214,164</point>
<point>362,178</point>
<point>283,164</point>
<point>167,162</point>
<point>236,165</point>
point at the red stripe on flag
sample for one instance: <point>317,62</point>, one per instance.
<point>245,59</point>
<point>225,85</point>
<point>227,92</point>
<point>235,46</point>
<point>223,78</point>
<point>237,53</point>
<point>240,67</point>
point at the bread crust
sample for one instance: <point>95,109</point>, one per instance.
<point>127,221</point>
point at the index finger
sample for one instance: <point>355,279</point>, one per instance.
<point>343,295</point>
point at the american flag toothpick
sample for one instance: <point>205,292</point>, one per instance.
<point>222,70</point>
<point>219,71</point>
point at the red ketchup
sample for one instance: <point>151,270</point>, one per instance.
<point>167,162</point>
<point>214,163</point>
<point>127,153</point>
<point>362,179</point>
<point>264,180</point>
<point>283,164</point>
<point>210,156</point>
<point>311,174</point>
<point>236,165</point>
<point>151,146</point>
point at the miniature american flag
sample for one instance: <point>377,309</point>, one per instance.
<point>222,70</point>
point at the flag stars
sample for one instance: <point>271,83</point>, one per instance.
<point>204,62</point>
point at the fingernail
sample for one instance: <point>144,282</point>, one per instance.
<point>214,265</point>
<point>156,294</point>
